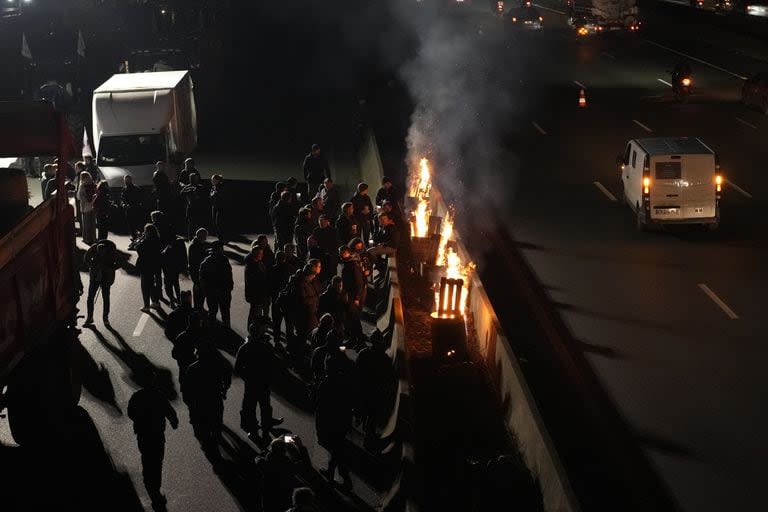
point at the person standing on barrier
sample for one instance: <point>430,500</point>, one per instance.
<point>316,169</point>
<point>256,364</point>
<point>197,252</point>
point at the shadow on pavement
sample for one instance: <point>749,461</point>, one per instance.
<point>69,471</point>
<point>96,379</point>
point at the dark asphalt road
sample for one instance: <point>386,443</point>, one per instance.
<point>685,376</point>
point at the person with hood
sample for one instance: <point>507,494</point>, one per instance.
<point>204,390</point>
<point>216,281</point>
<point>198,249</point>
<point>148,409</point>
<point>257,365</point>
<point>102,261</point>
<point>316,169</point>
<point>256,283</point>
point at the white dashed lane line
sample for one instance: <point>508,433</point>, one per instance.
<point>605,191</point>
<point>739,189</point>
<point>717,300</point>
<point>140,326</point>
<point>641,125</point>
<point>746,123</point>
<point>539,128</point>
<point>664,82</point>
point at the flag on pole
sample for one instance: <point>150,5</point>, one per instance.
<point>80,44</point>
<point>25,47</point>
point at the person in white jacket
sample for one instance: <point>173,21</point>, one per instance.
<point>86,191</point>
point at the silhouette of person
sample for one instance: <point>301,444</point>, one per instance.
<point>148,410</point>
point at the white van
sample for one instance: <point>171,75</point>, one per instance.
<point>671,181</point>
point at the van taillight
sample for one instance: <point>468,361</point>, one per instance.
<point>719,183</point>
<point>646,185</point>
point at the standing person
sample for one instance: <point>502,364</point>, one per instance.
<point>330,197</point>
<point>102,207</point>
<point>269,255</point>
<point>90,165</point>
<point>378,385</point>
<point>256,283</point>
<point>86,191</point>
<point>217,283</point>
<point>346,225</point>
<point>162,189</point>
<point>197,252</point>
<point>49,174</point>
<point>256,364</point>
<point>333,416</point>
<point>363,208</point>
<point>328,241</point>
<point>189,167</point>
<point>148,410</point>
<point>356,289</point>
<point>293,261</point>
<point>274,198</point>
<point>316,169</point>
<point>133,205</point>
<point>204,390</point>
<point>309,300</point>
<point>195,199</point>
<point>178,319</point>
<point>302,230</point>
<point>333,301</point>
<point>282,220</point>
<point>149,265</point>
<point>172,263</point>
<point>279,275</point>
<point>164,228</point>
<point>387,192</point>
<point>101,260</point>
<point>219,206</point>
<point>316,209</point>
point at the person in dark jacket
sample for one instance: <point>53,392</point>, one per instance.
<point>386,192</point>
<point>197,252</point>
<point>172,263</point>
<point>333,301</point>
<point>328,241</point>
<point>309,300</point>
<point>316,209</point>
<point>185,344</point>
<point>269,255</point>
<point>149,410</point>
<point>149,265</point>
<point>256,283</point>
<point>256,364</point>
<point>102,206</point>
<point>360,253</point>
<point>362,199</point>
<point>102,261</point>
<point>164,228</point>
<point>283,220</point>
<point>133,205</point>
<point>293,261</point>
<point>319,333</point>
<point>219,203</point>
<point>216,281</point>
<point>274,198</point>
<point>329,194</point>
<point>378,386</point>
<point>162,189</point>
<point>195,198</point>
<point>204,390</point>
<point>346,225</point>
<point>189,167</point>
<point>178,319</point>
<point>316,169</point>
<point>279,275</point>
<point>387,239</point>
<point>302,230</point>
<point>356,289</point>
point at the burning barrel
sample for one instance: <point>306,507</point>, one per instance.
<point>449,334</point>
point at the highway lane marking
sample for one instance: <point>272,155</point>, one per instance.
<point>605,191</point>
<point>549,9</point>
<point>664,82</point>
<point>713,66</point>
<point>609,55</point>
<point>539,128</point>
<point>580,84</point>
<point>140,326</point>
<point>717,300</point>
<point>641,125</point>
<point>746,123</point>
<point>743,192</point>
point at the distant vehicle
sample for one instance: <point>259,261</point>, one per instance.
<point>671,181</point>
<point>712,5</point>
<point>595,16</point>
<point>754,93</point>
<point>142,118</point>
<point>758,8</point>
<point>526,17</point>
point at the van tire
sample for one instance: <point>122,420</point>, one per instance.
<point>713,226</point>
<point>640,223</point>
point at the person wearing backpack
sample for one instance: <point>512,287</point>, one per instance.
<point>101,260</point>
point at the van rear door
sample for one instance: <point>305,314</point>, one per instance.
<point>683,187</point>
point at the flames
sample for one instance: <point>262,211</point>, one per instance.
<point>455,268</point>
<point>421,186</point>
<point>446,233</point>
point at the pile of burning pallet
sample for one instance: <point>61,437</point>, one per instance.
<point>434,249</point>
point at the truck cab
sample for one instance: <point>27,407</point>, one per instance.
<point>671,181</point>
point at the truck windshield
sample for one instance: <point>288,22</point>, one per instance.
<point>131,150</point>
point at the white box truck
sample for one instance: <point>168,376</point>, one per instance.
<point>141,118</point>
<point>671,181</point>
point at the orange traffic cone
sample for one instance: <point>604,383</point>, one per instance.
<point>582,99</point>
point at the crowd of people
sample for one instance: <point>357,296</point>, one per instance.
<point>306,294</point>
